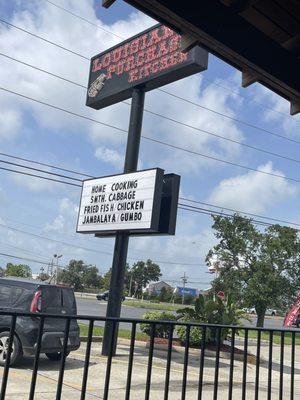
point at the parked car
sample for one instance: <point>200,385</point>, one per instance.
<point>23,295</point>
<point>269,311</point>
<point>249,310</point>
<point>104,296</point>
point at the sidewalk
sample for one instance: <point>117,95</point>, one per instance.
<point>19,381</point>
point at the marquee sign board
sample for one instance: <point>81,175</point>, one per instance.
<point>126,202</point>
<point>150,59</point>
<point>167,212</point>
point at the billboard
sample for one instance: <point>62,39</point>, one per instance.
<point>125,202</point>
<point>186,291</point>
<point>150,59</point>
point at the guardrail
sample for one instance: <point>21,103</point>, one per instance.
<point>263,368</point>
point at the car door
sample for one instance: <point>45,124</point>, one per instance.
<point>5,304</point>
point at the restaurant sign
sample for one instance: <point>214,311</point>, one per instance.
<point>150,59</point>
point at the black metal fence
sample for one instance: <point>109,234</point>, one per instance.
<point>209,362</point>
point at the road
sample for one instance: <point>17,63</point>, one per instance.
<point>98,308</point>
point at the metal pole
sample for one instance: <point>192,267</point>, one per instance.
<point>130,285</point>
<point>122,238</point>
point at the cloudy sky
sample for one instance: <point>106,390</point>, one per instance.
<point>38,217</point>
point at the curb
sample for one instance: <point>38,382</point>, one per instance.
<point>96,339</point>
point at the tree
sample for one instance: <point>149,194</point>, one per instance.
<point>80,275</point>
<point>261,269</point>
<point>19,270</point>
<point>2,272</point>
<point>43,276</point>
<point>165,294</point>
<point>91,277</point>
<point>143,273</point>
<point>107,277</point>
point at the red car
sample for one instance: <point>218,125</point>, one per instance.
<point>292,317</point>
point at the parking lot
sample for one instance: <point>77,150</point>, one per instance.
<point>19,378</point>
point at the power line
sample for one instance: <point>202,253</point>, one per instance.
<point>83,19</point>
<point>26,259</point>
<point>232,118</point>
<point>42,70</point>
<point>181,205</point>
<point>86,248</point>
<point>46,165</point>
<point>220,160</point>
<point>24,250</point>
<point>247,98</point>
<point>43,39</point>
<point>39,170</point>
<point>39,176</point>
<point>152,139</point>
<point>63,110</point>
<point>162,90</point>
<point>206,211</point>
<point>223,137</point>
<point>207,79</point>
<point>163,116</point>
<point>240,212</point>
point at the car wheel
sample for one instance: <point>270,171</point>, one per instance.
<point>55,356</point>
<point>16,353</point>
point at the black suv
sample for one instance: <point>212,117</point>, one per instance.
<point>23,295</point>
<point>104,296</point>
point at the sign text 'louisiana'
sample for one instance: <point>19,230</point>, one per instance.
<point>150,59</point>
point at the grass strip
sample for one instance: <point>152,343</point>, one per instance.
<point>123,333</point>
<point>154,306</point>
<point>276,336</point>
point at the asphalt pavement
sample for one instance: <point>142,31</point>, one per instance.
<point>98,308</point>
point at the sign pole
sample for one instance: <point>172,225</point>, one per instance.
<point>122,238</point>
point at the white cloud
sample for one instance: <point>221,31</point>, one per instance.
<point>253,192</point>
<point>65,221</point>
<point>49,22</point>
<point>10,120</point>
<point>209,97</point>
<point>278,110</point>
<point>53,24</point>
<point>35,184</point>
<point>110,156</point>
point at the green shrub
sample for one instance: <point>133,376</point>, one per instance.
<point>208,311</point>
<point>195,334</point>
<point>161,331</point>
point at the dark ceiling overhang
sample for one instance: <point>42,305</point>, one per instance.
<point>261,38</point>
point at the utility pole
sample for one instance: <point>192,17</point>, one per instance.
<point>184,280</point>
<point>56,269</point>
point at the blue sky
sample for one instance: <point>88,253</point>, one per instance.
<point>42,134</point>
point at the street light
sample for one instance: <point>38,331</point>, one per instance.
<point>56,269</point>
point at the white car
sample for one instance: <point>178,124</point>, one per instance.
<point>269,311</point>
